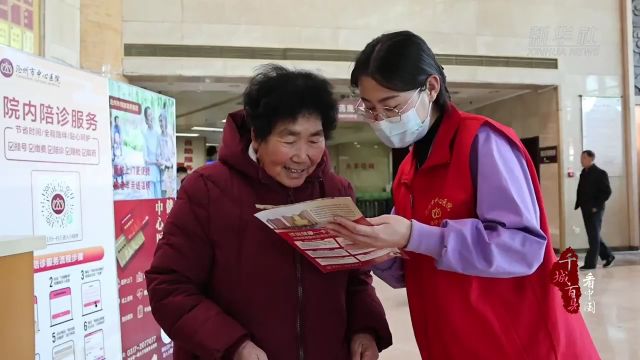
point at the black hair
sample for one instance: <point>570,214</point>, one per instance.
<point>401,61</point>
<point>182,169</point>
<point>211,150</point>
<point>276,94</point>
<point>589,153</point>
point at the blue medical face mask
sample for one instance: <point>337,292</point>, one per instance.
<point>405,129</point>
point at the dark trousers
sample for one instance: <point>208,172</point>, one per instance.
<point>593,224</point>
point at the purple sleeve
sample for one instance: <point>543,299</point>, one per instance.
<point>505,240</point>
<point>391,272</point>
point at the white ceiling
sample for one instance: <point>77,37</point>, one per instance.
<point>205,102</point>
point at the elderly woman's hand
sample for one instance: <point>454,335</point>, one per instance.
<point>249,351</point>
<point>387,231</point>
<point>363,347</point>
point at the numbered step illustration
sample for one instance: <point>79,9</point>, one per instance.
<point>60,306</point>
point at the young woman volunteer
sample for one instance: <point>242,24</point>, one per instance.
<point>468,215</point>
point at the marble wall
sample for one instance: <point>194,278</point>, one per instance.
<point>586,38</point>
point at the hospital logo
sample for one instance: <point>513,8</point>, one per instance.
<point>6,68</point>
<point>436,211</point>
<point>56,205</point>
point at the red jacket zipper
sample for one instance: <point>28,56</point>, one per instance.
<point>298,259</point>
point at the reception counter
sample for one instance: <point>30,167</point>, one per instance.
<point>17,331</point>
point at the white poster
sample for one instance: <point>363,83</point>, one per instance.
<point>602,132</point>
<point>56,175</point>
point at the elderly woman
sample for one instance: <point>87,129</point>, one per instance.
<point>225,286</point>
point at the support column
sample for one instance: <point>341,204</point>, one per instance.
<point>101,47</point>
<point>628,109</point>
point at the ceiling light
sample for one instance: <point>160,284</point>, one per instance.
<point>213,144</point>
<point>201,128</point>
<point>187,134</point>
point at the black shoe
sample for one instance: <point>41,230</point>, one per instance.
<point>609,261</point>
<point>585,267</point>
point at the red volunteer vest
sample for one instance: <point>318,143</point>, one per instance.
<point>457,316</point>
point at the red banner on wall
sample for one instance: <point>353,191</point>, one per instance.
<point>139,226</point>
<point>116,103</point>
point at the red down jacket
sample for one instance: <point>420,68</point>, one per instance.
<point>220,276</point>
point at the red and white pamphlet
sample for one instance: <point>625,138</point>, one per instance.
<point>303,226</point>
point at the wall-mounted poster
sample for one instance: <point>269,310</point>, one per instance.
<point>143,147</point>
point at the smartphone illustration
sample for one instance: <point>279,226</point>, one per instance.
<point>64,351</point>
<point>94,346</point>
<point>91,297</point>
<point>60,306</point>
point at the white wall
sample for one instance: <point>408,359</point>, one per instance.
<point>198,147</point>
<point>348,158</point>
<point>637,119</point>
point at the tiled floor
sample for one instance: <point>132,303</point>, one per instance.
<point>615,326</point>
